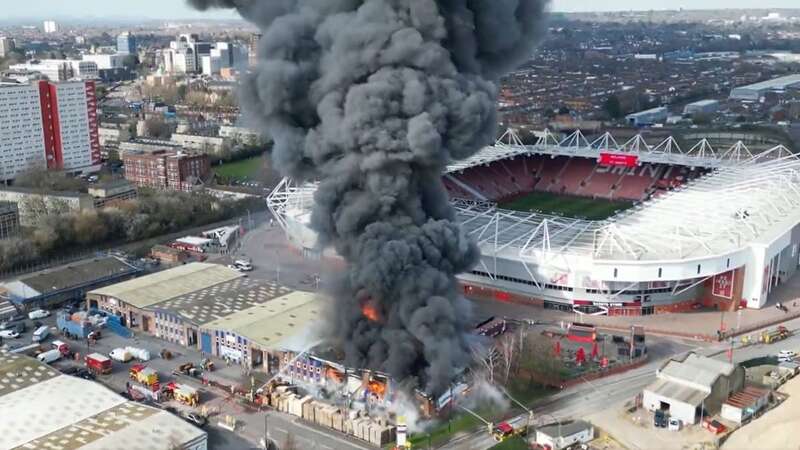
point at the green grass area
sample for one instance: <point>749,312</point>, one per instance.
<point>245,169</point>
<point>577,207</point>
<point>525,394</point>
<point>515,443</point>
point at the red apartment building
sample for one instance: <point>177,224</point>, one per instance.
<point>48,125</point>
<point>164,169</point>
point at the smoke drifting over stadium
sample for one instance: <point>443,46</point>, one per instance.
<point>373,98</point>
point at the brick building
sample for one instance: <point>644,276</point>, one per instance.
<point>172,170</point>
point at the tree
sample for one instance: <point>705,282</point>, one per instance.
<point>507,347</point>
<point>613,107</point>
<point>487,357</point>
<point>156,127</point>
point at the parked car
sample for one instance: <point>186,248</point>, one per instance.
<point>675,424</point>
<point>786,356</point>
<point>660,419</point>
<point>195,419</point>
<point>17,325</point>
<point>9,334</point>
<point>71,370</point>
<point>713,426</point>
<point>85,374</point>
<point>38,314</point>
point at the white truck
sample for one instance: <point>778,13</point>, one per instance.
<point>49,356</point>
<point>121,355</point>
<point>139,353</point>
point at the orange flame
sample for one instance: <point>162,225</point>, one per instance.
<point>370,311</point>
<point>376,388</point>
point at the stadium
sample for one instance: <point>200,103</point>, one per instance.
<point>598,227</point>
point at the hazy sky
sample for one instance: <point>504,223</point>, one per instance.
<point>171,9</point>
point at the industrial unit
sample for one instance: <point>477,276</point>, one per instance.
<point>51,410</point>
<point>753,92</point>
<point>64,283</point>
<point>214,309</point>
<point>692,387</point>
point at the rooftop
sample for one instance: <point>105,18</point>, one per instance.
<point>50,410</point>
<point>564,429</point>
<point>168,284</point>
<point>70,276</point>
<point>677,392</point>
<point>273,324</point>
<point>206,305</point>
<point>23,190</point>
<point>697,372</point>
<point>775,83</point>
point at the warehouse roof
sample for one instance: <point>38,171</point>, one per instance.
<point>170,283</point>
<point>565,429</point>
<point>677,392</point>
<point>272,324</point>
<point>698,372</point>
<point>50,410</point>
<point>223,299</point>
<point>775,83</point>
<point>71,276</point>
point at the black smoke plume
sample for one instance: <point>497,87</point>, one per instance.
<point>373,98</point>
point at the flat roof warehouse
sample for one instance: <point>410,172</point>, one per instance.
<point>46,409</point>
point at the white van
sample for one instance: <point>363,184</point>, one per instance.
<point>41,333</point>
<point>121,355</point>
<point>49,356</point>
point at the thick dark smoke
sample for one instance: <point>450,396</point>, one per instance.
<point>373,98</point>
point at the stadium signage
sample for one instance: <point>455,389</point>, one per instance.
<point>618,159</point>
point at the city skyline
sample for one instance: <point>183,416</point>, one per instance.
<point>177,9</point>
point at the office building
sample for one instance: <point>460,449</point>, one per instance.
<point>185,55</point>
<point>166,169</point>
<point>48,125</point>
<point>6,46</point>
<point>59,70</point>
<point>105,61</point>
<point>50,26</point>
<point>252,48</point>
<point>126,43</point>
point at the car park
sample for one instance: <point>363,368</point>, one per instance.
<point>38,314</point>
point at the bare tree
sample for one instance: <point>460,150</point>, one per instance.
<point>487,357</point>
<point>507,348</point>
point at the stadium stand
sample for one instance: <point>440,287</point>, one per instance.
<point>584,177</point>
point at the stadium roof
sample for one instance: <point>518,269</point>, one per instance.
<point>170,283</point>
<point>775,83</point>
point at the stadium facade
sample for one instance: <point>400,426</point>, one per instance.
<point>707,228</point>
